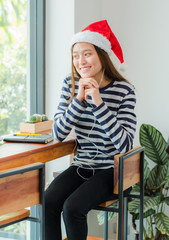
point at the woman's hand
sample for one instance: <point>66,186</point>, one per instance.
<point>83,84</point>
<point>89,86</point>
<point>95,94</point>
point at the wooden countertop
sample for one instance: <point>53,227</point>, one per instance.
<point>19,154</point>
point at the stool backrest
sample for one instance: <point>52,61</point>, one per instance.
<point>131,165</point>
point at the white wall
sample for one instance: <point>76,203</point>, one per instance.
<point>142,29</point>
<point>86,12</point>
<point>59,30</point>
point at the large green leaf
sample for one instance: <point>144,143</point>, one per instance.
<point>158,176</point>
<point>167,186</point>
<point>154,143</point>
<point>166,200</point>
<point>136,189</point>
<point>146,170</point>
<point>100,215</point>
<point>145,215</point>
<point>162,223</point>
<point>149,203</point>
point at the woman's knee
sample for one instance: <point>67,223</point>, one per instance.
<point>71,209</point>
<point>51,204</point>
<point>68,208</point>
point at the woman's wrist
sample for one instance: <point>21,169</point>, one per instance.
<point>99,102</point>
<point>79,98</point>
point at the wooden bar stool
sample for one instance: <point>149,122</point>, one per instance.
<point>21,188</point>
<point>128,170</point>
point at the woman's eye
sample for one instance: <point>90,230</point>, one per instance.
<point>87,54</point>
<point>75,56</point>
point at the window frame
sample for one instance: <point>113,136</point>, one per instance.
<point>36,54</point>
<point>36,72</point>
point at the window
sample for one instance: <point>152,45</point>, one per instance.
<point>22,74</point>
<point>13,49</point>
<point>22,68</point>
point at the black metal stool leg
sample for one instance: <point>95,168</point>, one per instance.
<point>105,225</point>
<point>141,197</point>
<point>125,218</point>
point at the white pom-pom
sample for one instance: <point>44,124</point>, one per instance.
<point>123,67</point>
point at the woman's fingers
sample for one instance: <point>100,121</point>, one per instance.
<point>89,82</point>
<point>86,84</point>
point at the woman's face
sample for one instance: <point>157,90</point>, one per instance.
<point>86,60</point>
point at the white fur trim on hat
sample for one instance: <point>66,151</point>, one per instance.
<point>123,67</point>
<point>94,38</point>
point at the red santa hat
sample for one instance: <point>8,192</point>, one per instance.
<point>100,35</point>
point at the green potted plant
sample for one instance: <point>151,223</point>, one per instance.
<point>156,186</point>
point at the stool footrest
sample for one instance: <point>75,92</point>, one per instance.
<point>14,216</point>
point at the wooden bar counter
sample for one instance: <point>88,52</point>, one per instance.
<point>19,154</point>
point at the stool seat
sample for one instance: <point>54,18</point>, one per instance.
<point>108,203</point>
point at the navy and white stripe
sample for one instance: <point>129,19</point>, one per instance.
<point>101,131</point>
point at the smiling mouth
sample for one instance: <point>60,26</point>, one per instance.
<point>84,68</point>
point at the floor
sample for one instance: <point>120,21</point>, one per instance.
<point>92,238</point>
<point>95,238</point>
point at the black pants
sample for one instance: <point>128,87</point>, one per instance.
<point>75,197</point>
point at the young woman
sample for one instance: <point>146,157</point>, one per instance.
<point>99,104</point>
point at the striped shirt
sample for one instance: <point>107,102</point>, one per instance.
<point>101,131</point>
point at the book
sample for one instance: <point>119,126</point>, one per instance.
<point>42,138</point>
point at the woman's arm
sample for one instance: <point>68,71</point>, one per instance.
<point>120,128</point>
<point>68,113</point>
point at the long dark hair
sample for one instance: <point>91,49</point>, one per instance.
<point>110,72</point>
